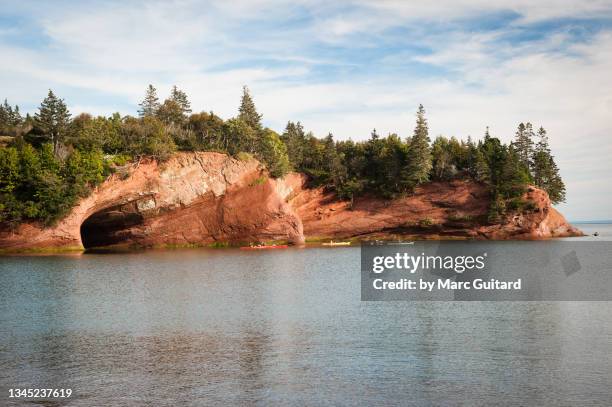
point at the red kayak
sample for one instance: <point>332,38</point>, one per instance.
<point>275,246</point>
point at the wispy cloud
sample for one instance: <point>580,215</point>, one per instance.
<point>344,67</point>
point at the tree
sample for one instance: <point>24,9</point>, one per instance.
<point>150,103</point>
<point>180,98</point>
<point>335,171</point>
<point>273,153</point>
<point>170,112</point>
<point>9,116</point>
<point>443,167</point>
<point>295,140</point>
<point>514,174</point>
<point>207,133</point>
<point>239,136</point>
<point>523,144</point>
<point>147,137</point>
<point>419,153</point>
<point>545,171</point>
<point>97,133</point>
<point>476,163</point>
<point>248,112</point>
<point>53,119</point>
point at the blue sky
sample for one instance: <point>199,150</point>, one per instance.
<point>342,67</point>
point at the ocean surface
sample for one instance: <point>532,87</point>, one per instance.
<point>229,327</point>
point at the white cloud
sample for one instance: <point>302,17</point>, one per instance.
<point>96,54</point>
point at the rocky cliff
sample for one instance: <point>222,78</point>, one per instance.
<point>192,199</point>
<point>208,198</point>
<point>437,210</point>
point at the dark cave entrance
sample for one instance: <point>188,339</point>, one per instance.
<point>114,226</point>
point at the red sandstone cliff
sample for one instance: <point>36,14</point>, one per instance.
<point>194,198</point>
<point>203,198</point>
<point>456,209</point>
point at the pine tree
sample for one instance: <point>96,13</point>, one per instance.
<point>545,171</point>
<point>419,153</point>
<point>180,98</point>
<point>248,112</point>
<point>53,119</point>
<point>523,144</point>
<point>6,113</point>
<point>295,140</point>
<point>150,103</point>
<point>476,162</point>
<point>336,172</point>
<point>16,118</point>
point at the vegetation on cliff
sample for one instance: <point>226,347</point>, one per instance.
<point>49,160</point>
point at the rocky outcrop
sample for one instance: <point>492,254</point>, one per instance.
<point>192,199</point>
<point>438,210</point>
<point>207,198</point>
<point>540,221</point>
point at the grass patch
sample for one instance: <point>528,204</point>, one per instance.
<point>258,181</point>
<point>459,217</point>
<point>242,156</point>
<point>426,222</point>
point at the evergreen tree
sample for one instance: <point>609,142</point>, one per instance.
<point>170,112</point>
<point>545,171</point>
<point>53,119</point>
<point>6,113</point>
<point>16,118</point>
<point>180,98</point>
<point>9,116</point>
<point>523,144</point>
<point>419,153</point>
<point>273,152</point>
<point>248,112</point>
<point>514,174</point>
<point>295,140</point>
<point>335,170</point>
<point>150,103</point>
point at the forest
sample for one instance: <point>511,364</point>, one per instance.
<point>51,159</point>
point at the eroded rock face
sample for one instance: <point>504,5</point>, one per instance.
<point>193,198</point>
<point>203,198</point>
<point>435,210</point>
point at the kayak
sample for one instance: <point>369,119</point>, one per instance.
<point>332,243</point>
<point>263,247</point>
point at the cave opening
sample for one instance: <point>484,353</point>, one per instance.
<point>114,226</point>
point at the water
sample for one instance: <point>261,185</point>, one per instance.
<point>230,327</point>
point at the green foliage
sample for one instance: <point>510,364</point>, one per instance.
<point>52,120</point>
<point>170,112</point>
<point>10,117</point>
<point>296,142</point>
<point>426,222</point>
<point>150,103</point>
<point>180,98</point>
<point>35,185</point>
<point>273,153</point>
<point>418,166</point>
<point>247,111</point>
<point>523,144</point>
<point>99,133</point>
<point>258,181</point>
<point>49,161</point>
<point>147,137</point>
<point>545,171</point>
<point>239,136</point>
<point>202,131</point>
<point>497,209</point>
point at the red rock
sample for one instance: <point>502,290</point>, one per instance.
<point>202,198</point>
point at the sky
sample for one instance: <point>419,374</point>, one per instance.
<point>344,67</point>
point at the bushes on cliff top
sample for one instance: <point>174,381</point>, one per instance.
<point>35,185</point>
<point>55,159</point>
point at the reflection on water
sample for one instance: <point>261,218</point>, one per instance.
<point>225,327</point>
